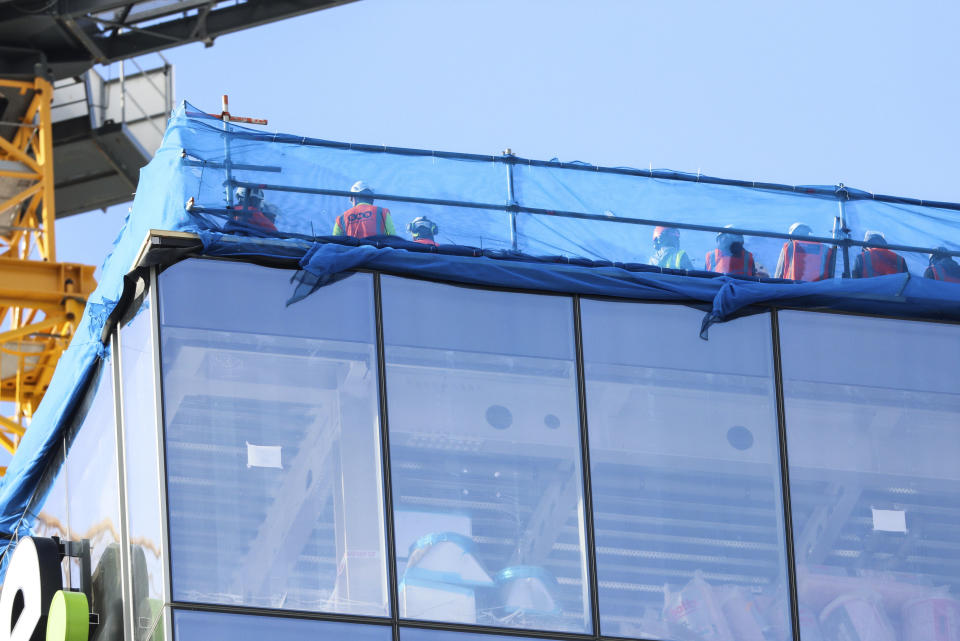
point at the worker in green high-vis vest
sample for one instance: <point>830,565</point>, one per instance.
<point>666,242</point>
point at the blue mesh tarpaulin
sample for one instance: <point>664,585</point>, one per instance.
<point>503,221</point>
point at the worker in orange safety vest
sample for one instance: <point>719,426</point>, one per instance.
<point>942,267</point>
<point>730,257</point>
<point>877,260</point>
<point>251,212</point>
<point>804,259</point>
<point>363,219</point>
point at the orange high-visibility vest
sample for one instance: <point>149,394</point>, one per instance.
<point>252,216</point>
<point>742,265</point>
<point>363,220</point>
<point>880,261</point>
<point>806,260</point>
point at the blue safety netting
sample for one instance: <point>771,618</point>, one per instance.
<point>503,221</point>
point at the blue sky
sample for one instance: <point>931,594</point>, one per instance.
<point>798,93</point>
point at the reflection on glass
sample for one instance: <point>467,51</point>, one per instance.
<point>215,626</point>
<point>143,485</point>
<point>94,502</point>
<point>48,506</point>
<point>273,463</point>
<point>485,457</point>
<point>685,474</point>
<point>873,409</point>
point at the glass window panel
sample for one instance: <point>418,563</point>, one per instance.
<point>190,625</point>
<point>273,460</point>
<point>485,456</point>
<point>873,409</point>
<point>685,474</point>
<point>143,481</point>
<point>419,634</point>
<point>93,491</point>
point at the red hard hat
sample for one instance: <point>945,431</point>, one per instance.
<point>660,230</point>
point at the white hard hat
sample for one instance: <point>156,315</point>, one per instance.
<point>361,187</point>
<point>873,235</point>
<point>800,228</point>
<point>733,236</point>
<point>254,193</point>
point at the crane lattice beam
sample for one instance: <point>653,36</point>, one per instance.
<point>41,300</point>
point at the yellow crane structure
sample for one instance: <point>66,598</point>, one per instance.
<point>41,300</point>
<point>103,135</point>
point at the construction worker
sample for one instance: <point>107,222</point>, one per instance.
<point>942,267</point>
<point>804,259</point>
<point>730,257</point>
<point>363,219</point>
<point>878,260</point>
<point>423,230</point>
<point>666,242</point>
<point>251,212</point>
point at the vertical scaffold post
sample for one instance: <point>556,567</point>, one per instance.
<point>844,231</point>
<point>123,94</point>
<point>225,117</point>
<point>511,198</point>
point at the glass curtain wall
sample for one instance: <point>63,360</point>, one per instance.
<point>142,471</point>
<point>93,502</point>
<point>685,473</point>
<point>873,419</point>
<point>485,456</point>
<point>275,473</point>
<point>272,440</point>
<point>78,499</point>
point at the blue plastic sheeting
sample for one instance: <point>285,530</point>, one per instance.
<point>156,207</point>
<point>571,209</point>
<point>900,295</point>
<point>593,224</point>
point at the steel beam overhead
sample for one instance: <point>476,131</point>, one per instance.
<point>66,37</point>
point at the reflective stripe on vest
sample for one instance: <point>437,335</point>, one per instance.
<point>941,274</point>
<point>879,261</point>
<point>672,260</point>
<point>362,220</point>
<point>741,265</point>
<point>808,261</point>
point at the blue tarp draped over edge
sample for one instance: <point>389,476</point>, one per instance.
<point>900,295</point>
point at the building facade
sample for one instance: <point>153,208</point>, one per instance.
<point>397,458</point>
<point>547,424</point>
